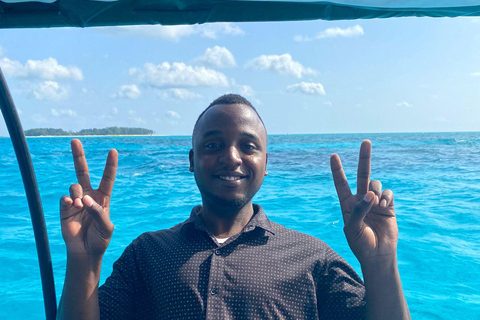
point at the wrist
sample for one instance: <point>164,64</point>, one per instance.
<point>84,264</point>
<point>383,268</point>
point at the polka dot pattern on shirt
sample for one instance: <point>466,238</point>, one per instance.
<point>265,272</point>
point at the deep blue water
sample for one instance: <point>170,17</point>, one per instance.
<point>435,178</point>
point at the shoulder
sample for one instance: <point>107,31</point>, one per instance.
<point>300,241</point>
<point>292,234</point>
<point>157,238</point>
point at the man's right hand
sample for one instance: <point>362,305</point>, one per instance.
<point>85,214</point>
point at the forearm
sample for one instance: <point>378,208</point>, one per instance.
<point>80,291</point>
<point>384,293</point>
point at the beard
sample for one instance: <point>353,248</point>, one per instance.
<point>236,203</point>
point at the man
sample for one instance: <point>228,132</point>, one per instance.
<point>228,261</point>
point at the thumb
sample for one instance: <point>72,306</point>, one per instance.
<point>97,213</point>
<point>360,211</point>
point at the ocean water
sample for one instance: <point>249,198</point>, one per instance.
<point>435,178</point>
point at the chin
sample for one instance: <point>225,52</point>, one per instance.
<point>237,202</point>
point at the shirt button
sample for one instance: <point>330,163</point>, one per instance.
<point>213,291</point>
<point>218,252</point>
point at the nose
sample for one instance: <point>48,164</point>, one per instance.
<point>231,157</point>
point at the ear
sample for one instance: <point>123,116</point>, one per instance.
<point>190,158</point>
<point>266,161</point>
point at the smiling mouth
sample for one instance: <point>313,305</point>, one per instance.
<point>230,178</point>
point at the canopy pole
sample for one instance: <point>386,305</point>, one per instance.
<point>33,196</point>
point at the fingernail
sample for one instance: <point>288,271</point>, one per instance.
<point>78,203</point>
<point>377,200</point>
<point>88,201</point>
<point>383,203</point>
<point>368,197</point>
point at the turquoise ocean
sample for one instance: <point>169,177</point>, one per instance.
<point>435,178</point>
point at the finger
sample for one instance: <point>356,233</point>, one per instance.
<point>76,193</point>
<point>108,178</point>
<point>360,211</point>
<point>339,178</point>
<point>387,198</point>
<point>376,187</point>
<point>363,172</point>
<point>80,162</point>
<point>99,215</point>
<point>65,203</point>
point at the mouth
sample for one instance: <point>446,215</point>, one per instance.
<point>230,178</point>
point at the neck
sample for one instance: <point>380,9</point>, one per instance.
<point>224,222</point>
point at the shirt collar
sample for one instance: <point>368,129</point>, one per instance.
<point>259,220</point>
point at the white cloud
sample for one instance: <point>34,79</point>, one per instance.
<point>246,91</point>
<point>58,113</point>
<point>249,93</point>
<point>174,33</point>
<point>114,110</point>
<point>218,57</point>
<point>281,64</point>
<point>333,33</point>
<point>12,68</point>
<point>339,32</point>
<point>178,74</point>
<point>179,93</point>
<point>127,91</point>
<point>475,74</point>
<point>328,103</point>
<point>172,115</point>
<point>404,104</point>
<point>300,38</point>
<point>307,88</point>
<point>49,90</point>
<point>48,69</point>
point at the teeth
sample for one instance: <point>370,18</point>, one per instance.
<point>229,178</point>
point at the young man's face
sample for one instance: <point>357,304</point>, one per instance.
<point>229,155</point>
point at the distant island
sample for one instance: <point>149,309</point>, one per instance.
<point>110,131</point>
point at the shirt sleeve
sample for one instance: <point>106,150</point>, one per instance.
<point>117,295</point>
<point>341,290</point>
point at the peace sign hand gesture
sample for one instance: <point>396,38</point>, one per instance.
<point>369,216</point>
<point>85,214</point>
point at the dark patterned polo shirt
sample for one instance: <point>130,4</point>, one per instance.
<point>265,272</point>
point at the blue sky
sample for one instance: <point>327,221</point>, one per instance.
<point>382,75</point>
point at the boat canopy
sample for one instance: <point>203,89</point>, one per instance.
<point>91,13</point>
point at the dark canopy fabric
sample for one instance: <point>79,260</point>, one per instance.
<point>88,13</point>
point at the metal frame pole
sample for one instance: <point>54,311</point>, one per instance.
<point>33,197</point>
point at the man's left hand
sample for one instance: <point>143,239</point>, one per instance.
<point>369,216</point>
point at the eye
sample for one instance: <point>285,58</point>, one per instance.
<point>213,145</point>
<point>249,147</point>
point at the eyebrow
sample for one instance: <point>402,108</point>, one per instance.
<point>211,133</point>
<point>218,133</point>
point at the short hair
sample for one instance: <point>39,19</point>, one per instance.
<point>230,98</point>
